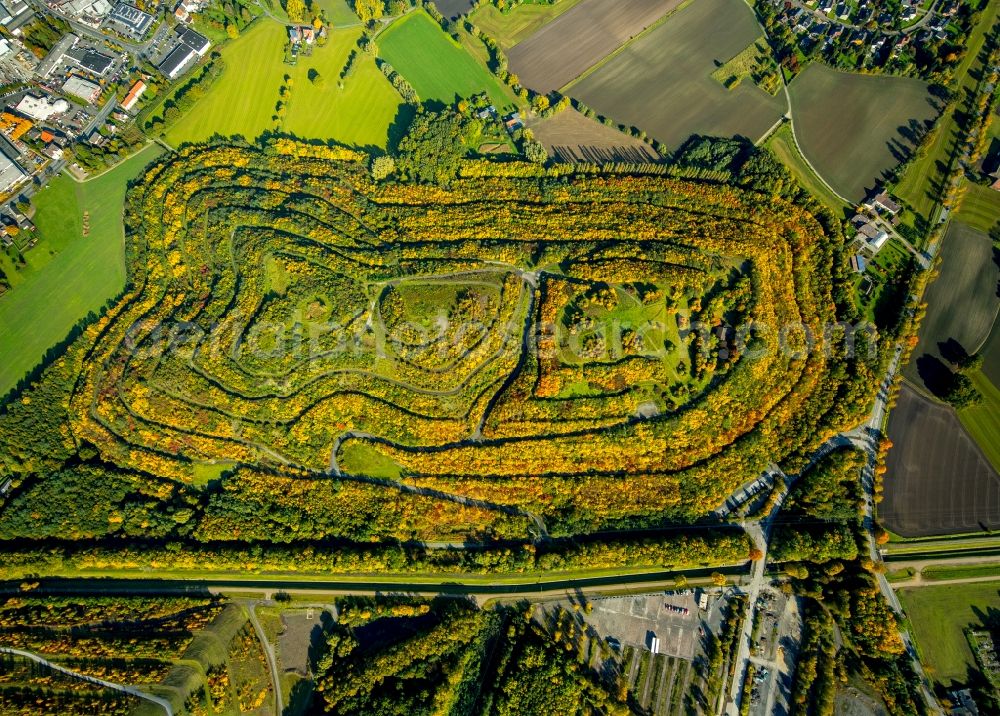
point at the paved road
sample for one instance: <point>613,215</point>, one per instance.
<point>101,116</point>
<point>130,690</point>
<point>759,534</point>
<point>272,661</point>
<point>874,430</point>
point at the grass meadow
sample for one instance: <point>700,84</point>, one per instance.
<point>961,302</point>
<point>983,420</point>
<point>437,67</point>
<point>939,614</point>
<point>520,23</point>
<point>854,128</point>
<point>980,207</point>
<point>81,277</point>
<point>243,100</point>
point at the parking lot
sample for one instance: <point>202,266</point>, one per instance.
<point>674,619</point>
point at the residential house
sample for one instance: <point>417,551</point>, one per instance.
<point>883,202</point>
<point>876,236</point>
<point>133,95</point>
<point>513,122</point>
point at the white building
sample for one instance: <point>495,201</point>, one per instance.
<point>41,108</point>
<point>10,172</point>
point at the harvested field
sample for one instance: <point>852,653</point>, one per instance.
<point>938,481</point>
<point>962,304</point>
<point>571,137</point>
<point>663,81</point>
<point>577,40</point>
<point>855,128</point>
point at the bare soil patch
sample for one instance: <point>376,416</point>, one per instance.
<point>577,40</point>
<point>939,481</point>
<point>663,81</point>
<point>571,137</point>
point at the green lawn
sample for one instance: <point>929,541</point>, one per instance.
<point>243,100</point>
<point>939,614</point>
<point>900,575</point>
<point>81,277</point>
<point>926,170</point>
<point>980,207</point>
<point>983,421</point>
<point>960,571</point>
<point>50,244</point>
<point>783,147</point>
<point>509,28</point>
<point>437,67</point>
<point>338,13</point>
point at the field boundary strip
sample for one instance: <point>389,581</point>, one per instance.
<point>565,89</point>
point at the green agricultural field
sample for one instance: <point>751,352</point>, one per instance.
<point>962,301</point>
<point>662,81</point>
<point>437,67</point>
<point>980,207</point>
<point>853,128</point>
<point>243,100</point>
<point>925,171</point>
<point>983,420</point>
<point>80,278</point>
<point>509,28</point>
<point>939,615</point>
<point>783,147</point>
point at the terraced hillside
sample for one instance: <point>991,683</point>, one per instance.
<point>514,352</point>
<point>286,311</point>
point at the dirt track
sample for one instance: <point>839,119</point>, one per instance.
<point>580,38</point>
<point>938,481</point>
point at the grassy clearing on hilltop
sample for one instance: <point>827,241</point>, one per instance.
<point>81,277</point>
